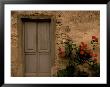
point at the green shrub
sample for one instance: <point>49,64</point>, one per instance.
<point>67,72</point>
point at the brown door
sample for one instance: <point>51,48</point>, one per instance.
<point>37,48</point>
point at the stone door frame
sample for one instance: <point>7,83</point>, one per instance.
<point>21,67</point>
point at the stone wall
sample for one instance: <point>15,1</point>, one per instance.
<point>77,25</point>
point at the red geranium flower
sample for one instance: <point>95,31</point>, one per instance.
<point>95,59</point>
<point>82,43</point>
<point>81,48</point>
<point>93,37</point>
<point>81,52</point>
<point>94,55</point>
<point>85,46</point>
<point>61,52</point>
<point>61,49</point>
<point>91,53</point>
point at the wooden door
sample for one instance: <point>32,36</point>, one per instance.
<point>37,48</point>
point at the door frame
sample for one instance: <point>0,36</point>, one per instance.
<point>21,60</point>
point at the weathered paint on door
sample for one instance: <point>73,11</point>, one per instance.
<point>37,48</point>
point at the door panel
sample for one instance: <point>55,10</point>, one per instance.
<point>31,63</point>
<point>30,37</point>
<point>44,62</point>
<point>43,36</point>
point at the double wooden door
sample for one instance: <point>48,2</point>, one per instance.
<point>37,43</point>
